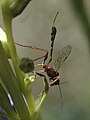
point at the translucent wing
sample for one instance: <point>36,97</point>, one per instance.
<point>62,56</point>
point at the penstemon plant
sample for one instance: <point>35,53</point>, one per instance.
<point>16,84</point>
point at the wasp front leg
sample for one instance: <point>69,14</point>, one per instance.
<point>46,85</point>
<point>41,97</point>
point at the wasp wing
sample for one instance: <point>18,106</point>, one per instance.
<point>62,56</point>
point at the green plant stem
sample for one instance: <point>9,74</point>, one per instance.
<point>20,76</point>
<point>30,100</point>
<point>36,116</point>
<point>42,100</point>
<point>8,29</point>
<point>9,80</point>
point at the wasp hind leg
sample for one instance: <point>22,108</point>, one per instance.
<point>57,82</point>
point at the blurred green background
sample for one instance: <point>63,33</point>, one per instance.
<point>33,27</point>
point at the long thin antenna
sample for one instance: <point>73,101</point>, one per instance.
<point>55,17</point>
<point>53,34</point>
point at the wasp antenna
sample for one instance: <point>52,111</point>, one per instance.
<point>53,34</point>
<point>55,17</point>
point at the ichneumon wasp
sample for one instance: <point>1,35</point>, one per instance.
<point>53,74</point>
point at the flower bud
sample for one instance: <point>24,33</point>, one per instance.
<point>14,7</point>
<point>26,65</point>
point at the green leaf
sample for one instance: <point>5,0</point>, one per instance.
<point>10,82</point>
<point>5,104</point>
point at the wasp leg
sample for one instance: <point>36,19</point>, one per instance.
<point>57,82</point>
<point>41,97</point>
<point>46,85</point>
